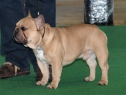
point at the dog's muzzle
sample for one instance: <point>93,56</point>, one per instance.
<point>19,37</point>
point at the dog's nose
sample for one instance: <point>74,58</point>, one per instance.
<point>16,31</point>
<point>14,34</point>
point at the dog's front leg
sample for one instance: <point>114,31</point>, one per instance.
<point>45,71</point>
<point>56,74</point>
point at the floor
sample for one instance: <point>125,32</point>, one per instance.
<point>71,12</point>
<point>72,79</point>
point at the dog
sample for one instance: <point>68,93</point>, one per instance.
<point>61,46</point>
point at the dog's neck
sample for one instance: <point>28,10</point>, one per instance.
<point>47,35</point>
<point>42,37</point>
<point>43,33</point>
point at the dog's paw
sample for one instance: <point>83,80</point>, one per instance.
<point>89,79</point>
<point>41,83</point>
<point>102,82</point>
<point>52,86</point>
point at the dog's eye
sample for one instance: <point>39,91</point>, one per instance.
<point>23,28</point>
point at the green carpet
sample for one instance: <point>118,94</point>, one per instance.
<point>72,82</point>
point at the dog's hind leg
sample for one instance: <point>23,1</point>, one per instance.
<point>102,57</point>
<point>90,58</point>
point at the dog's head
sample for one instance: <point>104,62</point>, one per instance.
<point>28,31</point>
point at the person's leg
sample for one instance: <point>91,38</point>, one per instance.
<point>48,9</point>
<point>44,7</point>
<point>10,13</point>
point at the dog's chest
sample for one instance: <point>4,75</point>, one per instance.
<point>40,54</point>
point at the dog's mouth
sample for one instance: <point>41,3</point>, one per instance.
<point>20,39</point>
<point>23,41</point>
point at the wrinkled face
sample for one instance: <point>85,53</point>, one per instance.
<point>26,32</point>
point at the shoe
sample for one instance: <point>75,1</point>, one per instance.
<point>39,74</point>
<point>9,70</point>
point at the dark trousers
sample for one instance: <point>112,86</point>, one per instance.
<point>11,11</point>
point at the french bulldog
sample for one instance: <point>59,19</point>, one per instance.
<point>61,46</point>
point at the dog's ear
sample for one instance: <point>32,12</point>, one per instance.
<point>40,21</point>
<point>29,14</point>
